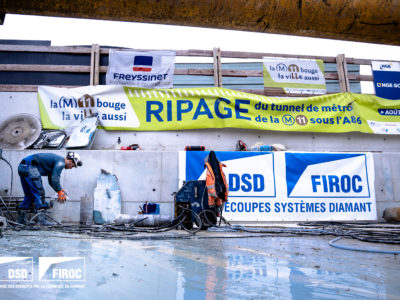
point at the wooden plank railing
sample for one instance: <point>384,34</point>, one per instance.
<point>95,69</point>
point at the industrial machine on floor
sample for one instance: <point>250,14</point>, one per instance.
<point>3,224</point>
<point>193,199</point>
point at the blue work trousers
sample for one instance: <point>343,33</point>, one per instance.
<point>31,181</point>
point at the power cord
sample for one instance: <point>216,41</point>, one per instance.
<point>11,184</point>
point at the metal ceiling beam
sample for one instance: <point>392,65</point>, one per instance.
<point>375,21</point>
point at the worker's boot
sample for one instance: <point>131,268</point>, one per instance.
<point>22,218</point>
<point>42,221</point>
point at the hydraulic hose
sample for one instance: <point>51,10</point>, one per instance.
<point>11,187</point>
<point>332,243</point>
<point>12,176</point>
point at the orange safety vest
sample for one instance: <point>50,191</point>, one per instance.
<point>213,199</point>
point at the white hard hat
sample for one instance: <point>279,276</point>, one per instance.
<point>75,157</point>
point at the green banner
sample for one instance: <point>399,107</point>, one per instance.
<point>130,108</point>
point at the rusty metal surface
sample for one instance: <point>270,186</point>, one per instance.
<point>357,20</point>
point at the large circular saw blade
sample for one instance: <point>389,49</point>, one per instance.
<point>19,131</point>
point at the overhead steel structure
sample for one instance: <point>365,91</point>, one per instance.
<point>375,21</point>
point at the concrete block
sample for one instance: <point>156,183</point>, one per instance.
<point>68,212</point>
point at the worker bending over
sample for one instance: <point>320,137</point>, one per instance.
<point>31,169</point>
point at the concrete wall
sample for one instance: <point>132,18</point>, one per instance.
<point>152,174</point>
<point>142,176</point>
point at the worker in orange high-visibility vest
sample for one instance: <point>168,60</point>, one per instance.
<point>217,186</point>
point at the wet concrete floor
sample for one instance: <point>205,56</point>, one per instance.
<point>207,267</point>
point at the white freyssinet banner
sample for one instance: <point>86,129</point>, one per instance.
<point>291,186</point>
<point>152,69</point>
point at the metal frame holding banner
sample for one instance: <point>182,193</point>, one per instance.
<point>130,108</point>
<point>291,186</point>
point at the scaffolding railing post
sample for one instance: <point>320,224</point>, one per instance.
<point>217,67</point>
<point>343,73</point>
<point>95,65</point>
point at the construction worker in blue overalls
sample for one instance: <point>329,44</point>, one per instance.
<point>31,169</point>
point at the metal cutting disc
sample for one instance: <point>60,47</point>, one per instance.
<point>19,131</point>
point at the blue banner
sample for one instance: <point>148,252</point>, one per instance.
<point>386,79</point>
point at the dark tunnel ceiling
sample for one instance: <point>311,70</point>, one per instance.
<point>352,20</point>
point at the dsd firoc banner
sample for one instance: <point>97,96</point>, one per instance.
<point>295,75</point>
<point>130,108</point>
<point>151,69</point>
<point>291,186</point>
